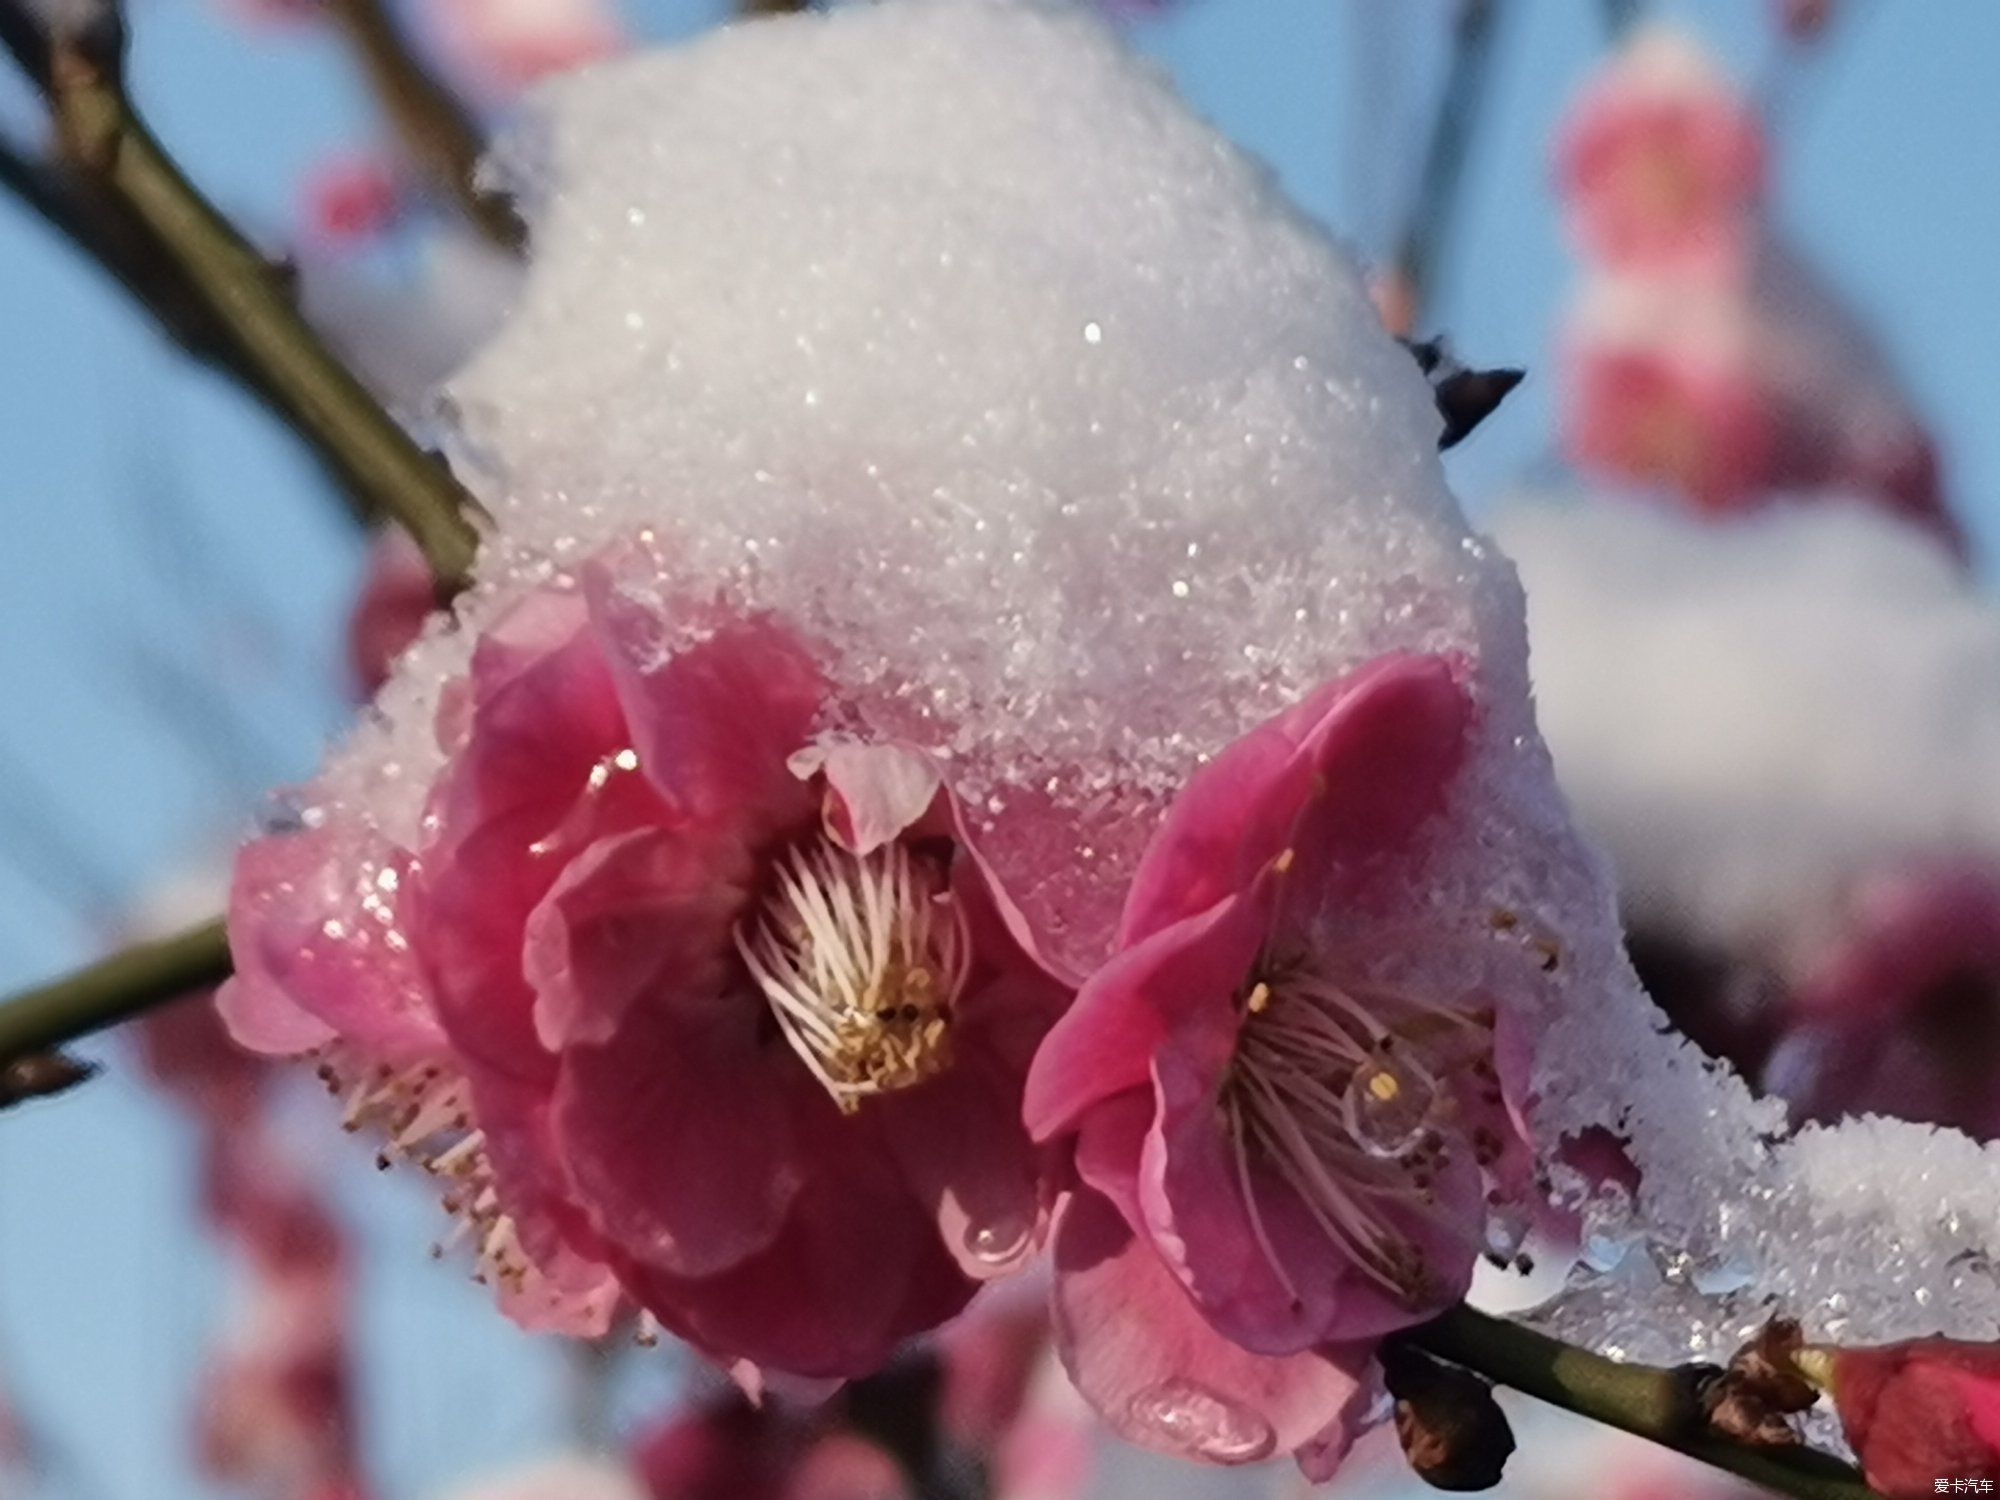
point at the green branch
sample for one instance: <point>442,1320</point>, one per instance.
<point>245,304</point>
<point>1646,1400</point>
<point>434,126</point>
<point>112,990</point>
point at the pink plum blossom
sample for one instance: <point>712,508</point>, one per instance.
<point>1732,397</point>
<point>1674,415</point>
<point>1916,1410</point>
<point>500,47</point>
<point>699,1009</point>
<point>186,1050</point>
<point>275,1413</point>
<point>1280,1155</point>
<point>1661,163</point>
<point>1899,1014</point>
<point>349,199</point>
<point>726,1448</point>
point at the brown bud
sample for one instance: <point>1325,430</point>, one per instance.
<point>1452,1430</point>
<point>1754,1400</point>
<point>40,1075</point>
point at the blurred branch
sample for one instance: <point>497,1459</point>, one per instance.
<point>242,302</point>
<point>772,7</point>
<point>1425,241</point>
<point>1620,16</point>
<point>435,127</point>
<point>111,990</point>
<point>1649,1401</point>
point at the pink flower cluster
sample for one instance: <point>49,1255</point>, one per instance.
<point>1705,359</point>
<point>274,1415</point>
<point>712,1013</point>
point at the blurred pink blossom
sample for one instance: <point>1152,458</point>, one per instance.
<point>186,1050</point>
<point>728,1449</point>
<point>499,47</point>
<point>349,199</point>
<point>647,902</point>
<point>1731,397</point>
<point>1661,163</point>
<point>397,596</point>
<point>1279,1156</point>
<point>1804,20</point>
<point>275,1413</point>
<point>1900,1012</point>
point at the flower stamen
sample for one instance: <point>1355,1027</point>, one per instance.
<point>861,958</point>
<point>1330,1093</point>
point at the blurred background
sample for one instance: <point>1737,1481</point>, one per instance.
<point>1746,263</point>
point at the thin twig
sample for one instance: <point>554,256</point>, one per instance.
<point>1422,252</point>
<point>1620,16</point>
<point>1646,1400</point>
<point>434,126</point>
<point>113,989</point>
<point>245,302</point>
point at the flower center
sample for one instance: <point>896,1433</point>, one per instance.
<point>1334,1091</point>
<point>861,957</point>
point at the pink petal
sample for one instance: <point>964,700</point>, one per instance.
<point>1143,1356</point>
<point>677,1139</point>
<point>1370,754</point>
<point>316,927</point>
<point>540,727</point>
<point>572,1290</point>
<point>858,1270</point>
<point>1107,1040</point>
<point>261,1017</point>
<point>641,916</point>
<point>873,792</point>
<point>714,723</point>
<point>962,1148</point>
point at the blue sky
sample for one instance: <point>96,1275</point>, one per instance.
<point>174,567</point>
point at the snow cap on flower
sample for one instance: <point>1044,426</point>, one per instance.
<point>1661,162</point>
<point>649,903</point>
<point>1066,529</point>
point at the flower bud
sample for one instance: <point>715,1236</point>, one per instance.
<point>1915,1413</point>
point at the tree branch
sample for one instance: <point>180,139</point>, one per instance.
<point>244,303</point>
<point>1646,1400</point>
<point>1422,251</point>
<point>434,126</point>
<point>111,990</point>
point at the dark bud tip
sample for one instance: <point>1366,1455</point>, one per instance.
<point>42,1075</point>
<point>1453,1432</point>
<point>1464,397</point>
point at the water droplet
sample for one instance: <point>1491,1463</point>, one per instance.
<point>1388,1108</point>
<point>1093,333</point>
<point>1194,1419</point>
<point>1001,1242</point>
